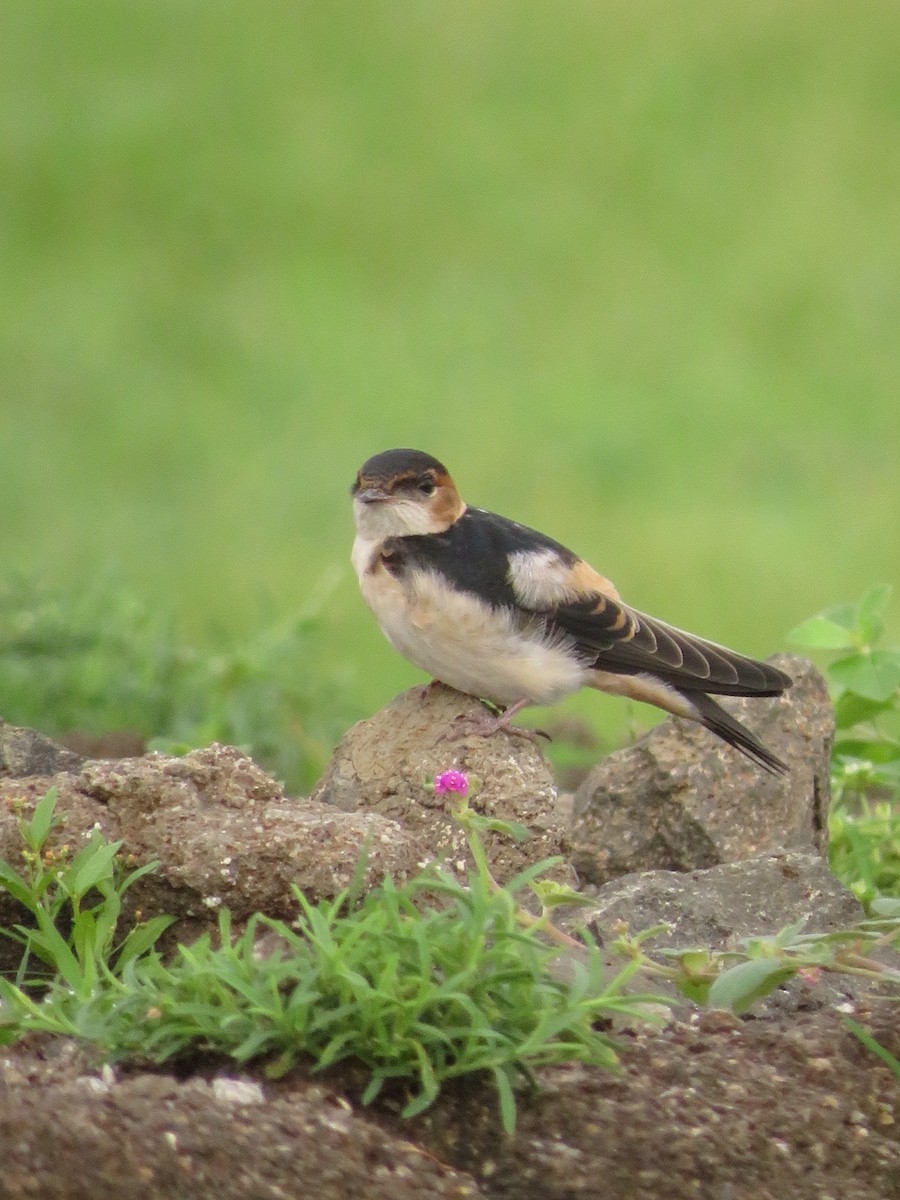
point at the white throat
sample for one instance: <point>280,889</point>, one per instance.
<point>397,517</point>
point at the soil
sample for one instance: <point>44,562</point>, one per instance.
<point>717,1109</point>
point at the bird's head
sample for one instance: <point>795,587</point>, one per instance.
<point>403,492</point>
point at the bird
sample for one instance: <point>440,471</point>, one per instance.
<point>508,615</point>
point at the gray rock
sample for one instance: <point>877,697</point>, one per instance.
<point>717,907</point>
<point>681,799</point>
<point>387,764</point>
<point>25,752</point>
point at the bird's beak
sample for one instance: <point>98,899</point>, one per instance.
<point>371,495</point>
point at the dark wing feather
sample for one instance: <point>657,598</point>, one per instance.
<point>727,727</point>
<point>620,639</point>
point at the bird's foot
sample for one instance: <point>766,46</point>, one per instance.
<point>425,689</point>
<point>486,724</point>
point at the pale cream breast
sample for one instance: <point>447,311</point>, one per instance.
<point>464,642</point>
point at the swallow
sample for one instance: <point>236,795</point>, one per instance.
<point>508,615</point>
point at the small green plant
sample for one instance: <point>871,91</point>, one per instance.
<point>413,991</point>
<point>736,979</point>
<point>77,892</point>
<point>864,678</point>
<point>865,846</point>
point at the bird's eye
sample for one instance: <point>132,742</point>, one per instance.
<point>426,485</point>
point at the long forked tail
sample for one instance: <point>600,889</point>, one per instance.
<point>714,717</point>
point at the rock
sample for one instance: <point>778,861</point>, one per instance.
<point>25,752</point>
<point>681,799</point>
<point>220,828</point>
<point>153,1137</point>
<point>387,763</point>
<point>718,908</point>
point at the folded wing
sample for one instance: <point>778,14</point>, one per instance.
<point>621,639</point>
<point>581,604</point>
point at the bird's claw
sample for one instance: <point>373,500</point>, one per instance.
<point>484,725</point>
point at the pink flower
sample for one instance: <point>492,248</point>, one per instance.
<point>810,975</point>
<point>451,781</point>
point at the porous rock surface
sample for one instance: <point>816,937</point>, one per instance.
<point>386,763</point>
<point>221,830</point>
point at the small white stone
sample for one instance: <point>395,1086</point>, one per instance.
<point>237,1091</point>
<point>94,1084</point>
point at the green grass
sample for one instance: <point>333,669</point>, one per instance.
<point>632,271</point>
<point>79,892</point>
<point>413,992</point>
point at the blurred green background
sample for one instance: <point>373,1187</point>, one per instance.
<point>631,270</point>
